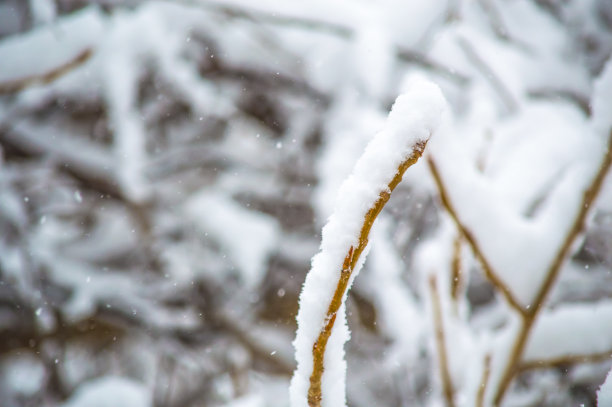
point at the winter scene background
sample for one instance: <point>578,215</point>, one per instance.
<point>167,169</point>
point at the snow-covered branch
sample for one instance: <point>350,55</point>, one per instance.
<point>319,378</point>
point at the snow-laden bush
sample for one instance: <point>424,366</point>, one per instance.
<point>166,167</point>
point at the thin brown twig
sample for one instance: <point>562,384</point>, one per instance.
<point>447,383</point>
<point>482,390</point>
<point>565,360</point>
<point>469,237</point>
<point>17,85</point>
<point>552,273</point>
<point>350,261</point>
<point>456,274</point>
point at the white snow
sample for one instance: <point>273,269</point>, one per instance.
<point>50,47</point>
<point>248,237</point>
<point>604,395</point>
<point>400,316</point>
<point>22,373</point>
<point>110,391</point>
<point>413,118</point>
<point>601,102</point>
<point>43,11</point>
<point>251,400</point>
<point>570,330</point>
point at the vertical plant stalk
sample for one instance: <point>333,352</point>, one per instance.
<point>350,261</point>
<point>447,383</point>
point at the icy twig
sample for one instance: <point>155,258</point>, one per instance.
<point>531,314</point>
<point>482,390</point>
<point>447,384</point>
<point>471,239</point>
<point>18,85</point>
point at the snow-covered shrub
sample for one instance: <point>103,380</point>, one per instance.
<point>166,167</point>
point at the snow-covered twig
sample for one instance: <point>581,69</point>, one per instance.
<point>320,376</point>
<point>528,314</point>
<point>551,275</point>
<point>469,237</point>
<point>18,85</point>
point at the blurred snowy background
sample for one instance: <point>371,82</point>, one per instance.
<point>166,167</point>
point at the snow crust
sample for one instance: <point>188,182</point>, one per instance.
<point>413,118</point>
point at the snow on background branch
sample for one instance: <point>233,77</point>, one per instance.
<point>166,167</point>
